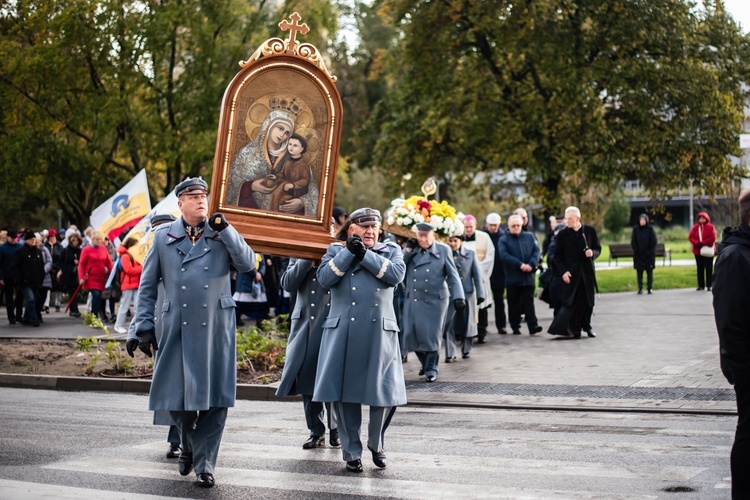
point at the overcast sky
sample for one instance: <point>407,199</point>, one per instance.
<point>740,11</point>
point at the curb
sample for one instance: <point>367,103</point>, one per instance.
<point>258,392</point>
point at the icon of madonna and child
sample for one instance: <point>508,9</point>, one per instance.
<point>279,169</point>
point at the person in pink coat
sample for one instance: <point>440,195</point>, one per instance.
<point>93,270</point>
<point>703,234</point>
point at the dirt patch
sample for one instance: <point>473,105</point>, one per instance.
<point>60,357</point>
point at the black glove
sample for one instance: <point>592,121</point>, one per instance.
<point>480,300</point>
<point>411,243</point>
<point>459,304</point>
<point>356,246</point>
<point>131,345</point>
<point>217,222</point>
<point>147,338</point>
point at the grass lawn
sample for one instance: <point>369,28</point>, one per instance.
<point>624,280</point>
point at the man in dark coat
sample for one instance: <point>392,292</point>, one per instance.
<point>643,243</point>
<point>13,297</point>
<point>731,289</point>
<point>28,272</point>
<point>195,374</point>
<point>520,252</point>
<point>577,246</point>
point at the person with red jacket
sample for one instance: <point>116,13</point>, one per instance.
<point>130,278</point>
<point>93,270</point>
<point>703,234</point>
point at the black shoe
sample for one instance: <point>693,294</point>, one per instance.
<point>314,442</point>
<point>502,331</point>
<point>333,438</point>
<point>650,292</point>
<point>205,480</point>
<point>46,309</point>
<point>534,330</point>
<point>378,458</point>
<point>708,288</point>
<point>404,359</point>
<point>174,450</point>
<point>591,333</point>
<point>185,463</point>
<point>75,314</point>
<point>354,466</point>
<point>481,341</point>
<point>431,378</point>
<point>57,309</point>
<point>421,372</point>
<point>36,323</point>
<point>699,289</point>
<point>465,355</point>
<point>450,360</point>
<point>640,291</point>
<point>516,332</point>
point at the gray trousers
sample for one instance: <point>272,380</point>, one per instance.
<point>429,360</point>
<point>201,433</point>
<point>350,422</point>
<point>314,416</point>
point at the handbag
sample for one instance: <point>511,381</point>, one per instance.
<point>705,250</point>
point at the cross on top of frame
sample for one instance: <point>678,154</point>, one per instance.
<point>293,28</point>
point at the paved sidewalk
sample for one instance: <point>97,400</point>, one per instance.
<point>653,353</point>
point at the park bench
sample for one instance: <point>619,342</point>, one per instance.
<point>625,250</point>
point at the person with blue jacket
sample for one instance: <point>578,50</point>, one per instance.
<point>520,253</point>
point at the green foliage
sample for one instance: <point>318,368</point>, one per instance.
<point>93,92</point>
<point>86,344</point>
<point>618,215</point>
<point>93,321</point>
<point>264,348</point>
<point>578,94</point>
<point>113,353</point>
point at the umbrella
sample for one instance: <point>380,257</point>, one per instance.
<point>75,294</point>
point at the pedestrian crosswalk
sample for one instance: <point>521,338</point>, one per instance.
<point>433,453</point>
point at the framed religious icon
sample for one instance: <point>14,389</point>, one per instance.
<point>277,148</point>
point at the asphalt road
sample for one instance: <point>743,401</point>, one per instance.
<point>57,444</point>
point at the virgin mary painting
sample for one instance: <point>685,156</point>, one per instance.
<point>253,174</point>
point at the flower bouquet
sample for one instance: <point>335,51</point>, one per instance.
<point>404,214</point>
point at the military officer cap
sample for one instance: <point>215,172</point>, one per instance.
<point>365,217</point>
<point>191,185</point>
<point>424,227</point>
<point>159,219</point>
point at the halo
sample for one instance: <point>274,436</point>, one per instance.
<point>313,144</point>
<point>260,108</point>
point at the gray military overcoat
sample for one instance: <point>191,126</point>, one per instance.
<point>196,368</point>
<point>360,358</point>
<point>310,311</point>
<point>431,280</point>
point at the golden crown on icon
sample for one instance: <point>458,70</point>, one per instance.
<point>285,103</point>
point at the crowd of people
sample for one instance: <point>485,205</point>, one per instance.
<point>355,315</point>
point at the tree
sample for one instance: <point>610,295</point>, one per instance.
<point>578,94</point>
<point>92,92</point>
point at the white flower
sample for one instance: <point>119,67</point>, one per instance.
<point>391,220</point>
<point>418,217</point>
